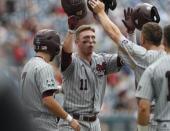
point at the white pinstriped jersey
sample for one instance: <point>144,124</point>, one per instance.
<point>137,57</point>
<point>37,77</point>
<point>155,85</point>
<point>84,84</point>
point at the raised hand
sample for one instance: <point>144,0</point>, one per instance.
<point>73,22</point>
<point>128,20</point>
<point>97,6</point>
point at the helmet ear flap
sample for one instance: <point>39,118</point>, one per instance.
<point>109,4</point>
<point>155,15</point>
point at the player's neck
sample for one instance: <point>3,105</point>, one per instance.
<point>87,58</point>
<point>44,56</point>
<point>153,47</point>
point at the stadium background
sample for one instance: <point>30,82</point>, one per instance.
<point>20,19</point>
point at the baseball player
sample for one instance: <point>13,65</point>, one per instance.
<point>155,84</point>
<point>84,78</point>
<point>137,57</point>
<point>38,84</point>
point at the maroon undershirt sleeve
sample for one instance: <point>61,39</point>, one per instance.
<point>65,60</point>
<point>48,93</point>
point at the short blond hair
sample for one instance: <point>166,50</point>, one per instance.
<point>83,28</point>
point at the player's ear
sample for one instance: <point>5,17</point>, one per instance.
<point>141,39</point>
<point>76,41</point>
<point>165,43</point>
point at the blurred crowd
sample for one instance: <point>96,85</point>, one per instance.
<point>21,19</point>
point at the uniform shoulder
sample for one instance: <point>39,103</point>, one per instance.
<point>158,62</point>
<point>40,64</point>
<point>158,52</point>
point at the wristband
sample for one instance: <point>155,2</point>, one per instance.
<point>59,89</point>
<point>69,118</point>
<point>143,128</point>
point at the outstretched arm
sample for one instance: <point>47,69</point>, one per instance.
<point>67,49</point>
<point>111,29</point>
<point>68,42</point>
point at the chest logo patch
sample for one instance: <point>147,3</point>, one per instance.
<point>101,68</point>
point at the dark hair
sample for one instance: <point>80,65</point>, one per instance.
<point>152,32</point>
<point>167,34</point>
<point>83,28</point>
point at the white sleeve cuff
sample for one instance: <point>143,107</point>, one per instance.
<point>123,41</point>
<point>59,88</point>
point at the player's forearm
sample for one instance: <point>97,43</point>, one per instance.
<point>54,107</point>
<point>143,112</point>
<point>143,118</point>
<point>111,29</point>
<point>68,42</point>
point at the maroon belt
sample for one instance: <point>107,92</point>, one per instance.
<point>84,117</point>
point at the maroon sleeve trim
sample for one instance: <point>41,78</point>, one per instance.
<point>48,93</point>
<point>65,60</point>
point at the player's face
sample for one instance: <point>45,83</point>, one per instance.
<point>86,42</point>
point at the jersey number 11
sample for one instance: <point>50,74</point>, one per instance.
<point>83,84</point>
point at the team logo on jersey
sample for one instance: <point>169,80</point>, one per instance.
<point>50,83</point>
<point>101,68</point>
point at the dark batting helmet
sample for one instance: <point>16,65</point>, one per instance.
<point>75,7</point>
<point>47,41</point>
<point>144,13</point>
<point>109,4</point>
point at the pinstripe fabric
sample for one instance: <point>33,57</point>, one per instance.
<point>37,77</point>
<point>84,84</point>
<point>137,57</point>
<point>164,126</point>
<point>154,86</point>
<point>153,126</point>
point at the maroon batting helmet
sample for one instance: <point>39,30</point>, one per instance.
<point>144,13</point>
<point>47,40</point>
<point>75,7</point>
